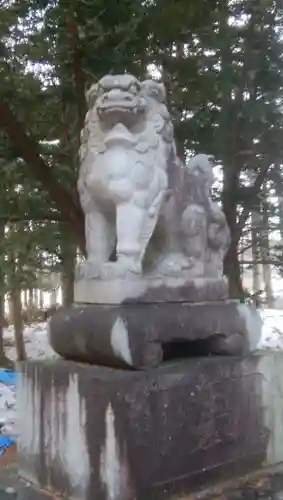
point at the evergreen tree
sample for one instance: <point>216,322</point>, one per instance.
<point>221,61</point>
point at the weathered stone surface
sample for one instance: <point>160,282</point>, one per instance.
<point>140,202</point>
<point>155,290</point>
<point>90,432</point>
<point>139,335</point>
<point>154,237</point>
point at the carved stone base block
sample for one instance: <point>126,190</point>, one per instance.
<point>141,335</point>
<point>91,432</point>
<point>147,290</point>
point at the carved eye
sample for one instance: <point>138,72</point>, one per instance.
<point>134,89</point>
<point>92,95</point>
<point>99,90</point>
<point>156,94</point>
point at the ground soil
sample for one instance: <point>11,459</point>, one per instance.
<point>262,486</point>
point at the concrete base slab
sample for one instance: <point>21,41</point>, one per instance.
<point>89,432</point>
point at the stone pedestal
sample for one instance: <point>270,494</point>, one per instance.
<point>91,432</point>
<point>137,324</point>
<point>142,334</point>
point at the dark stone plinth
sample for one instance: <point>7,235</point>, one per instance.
<point>88,432</point>
<point>141,335</point>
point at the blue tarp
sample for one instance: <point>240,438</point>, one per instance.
<point>5,443</point>
<point>9,378</point>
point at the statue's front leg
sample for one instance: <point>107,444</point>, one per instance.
<point>100,241</point>
<point>130,223</point>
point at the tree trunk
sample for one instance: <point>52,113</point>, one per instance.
<point>229,133</point>
<point>256,291</point>
<point>16,306</point>
<point>265,255</point>
<point>2,320</point>
<point>53,297</point>
<point>268,289</point>
<point>68,256</point>
<point>30,305</point>
<point>280,216</point>
<point>41,299</point>
<point>25,300</point>
<point>30,299</point>
<point>232,267</point>
<point>232,270</point>
<point>34,298</point>
<point>67,280</point>
<point>2,297</point>
<point>4,361</point>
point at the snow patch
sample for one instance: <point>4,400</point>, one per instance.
<point>272,330</point>
<point>36,342</point>
<point>37,347</point>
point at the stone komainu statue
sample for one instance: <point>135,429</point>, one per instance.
<point>138,199</point>
<point>153,277</point>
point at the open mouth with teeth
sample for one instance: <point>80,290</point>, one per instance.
<point>119,106</point>
<point>116,107</point>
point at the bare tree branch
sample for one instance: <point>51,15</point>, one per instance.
<point>28,149</point>
<point>52,217</point>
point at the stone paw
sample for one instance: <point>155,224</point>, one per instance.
<point>90,269</point>
<point>119,270</point>
<point>173,265</point>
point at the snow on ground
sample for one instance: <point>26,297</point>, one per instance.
<point>7,410</point>
<point>37,347</point>
<point>272,330</point>
<point>36,342</point>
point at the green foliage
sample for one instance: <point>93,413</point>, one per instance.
<point>221,61</point>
